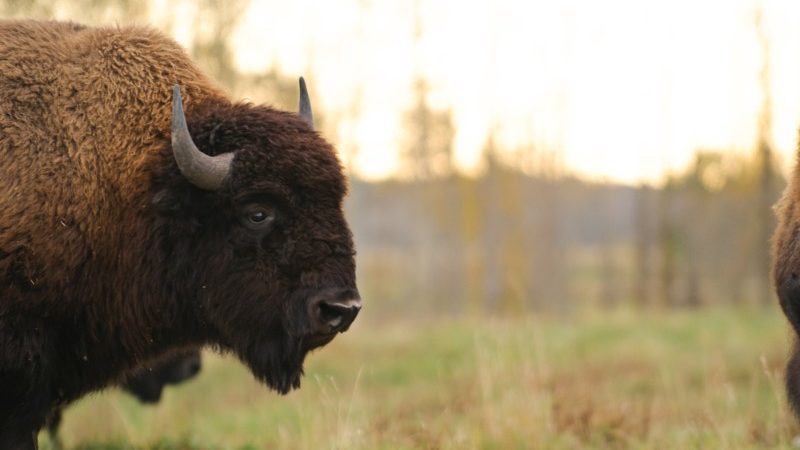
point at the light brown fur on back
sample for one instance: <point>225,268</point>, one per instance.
<point>83,112</point>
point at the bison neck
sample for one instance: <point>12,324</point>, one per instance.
<point>109,328</point>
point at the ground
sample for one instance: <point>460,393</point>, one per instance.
<point>655,380</point>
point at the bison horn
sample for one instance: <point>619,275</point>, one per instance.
<point>305,104</point>
<point>204,171</point>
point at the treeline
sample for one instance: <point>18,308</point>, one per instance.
<point>508,241</point>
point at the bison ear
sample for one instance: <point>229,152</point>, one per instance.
<point>304,105</point>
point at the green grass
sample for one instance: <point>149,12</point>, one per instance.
<point>707,379</point>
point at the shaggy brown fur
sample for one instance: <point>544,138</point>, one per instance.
<point>786,275</point>
<point>109,257</point>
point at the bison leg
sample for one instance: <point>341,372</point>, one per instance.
<point>18,439</point>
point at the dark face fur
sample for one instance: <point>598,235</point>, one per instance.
<point>265,262</point>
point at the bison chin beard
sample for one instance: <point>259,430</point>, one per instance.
<point>277,363</point>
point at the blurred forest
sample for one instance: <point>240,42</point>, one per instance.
<point>524,233</point>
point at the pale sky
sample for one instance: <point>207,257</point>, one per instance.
<point>624,88</point>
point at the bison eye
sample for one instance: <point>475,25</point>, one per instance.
<point>258,217</point>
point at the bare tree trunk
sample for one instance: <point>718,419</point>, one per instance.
<point>667,248</point>
<point>642,266</point>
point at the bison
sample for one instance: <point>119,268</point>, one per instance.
<point>146,383</point>
<point>786,276</point>
<point>142,211</point>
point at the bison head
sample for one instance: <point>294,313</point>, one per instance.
<point>254,233</point>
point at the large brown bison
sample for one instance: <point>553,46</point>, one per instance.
<point>786,275</point>
<point>129,228</point>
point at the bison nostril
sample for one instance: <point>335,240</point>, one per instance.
<point>336,316</point>
<point>330,314</point>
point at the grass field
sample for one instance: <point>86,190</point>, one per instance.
<point>694,379</point>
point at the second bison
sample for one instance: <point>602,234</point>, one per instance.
<point>146,383</point>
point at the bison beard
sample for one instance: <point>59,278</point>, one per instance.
<point>278,364</point>
<point>138,217</point>
<point>277,358</point>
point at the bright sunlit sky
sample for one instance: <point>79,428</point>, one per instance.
<point>624,88</point>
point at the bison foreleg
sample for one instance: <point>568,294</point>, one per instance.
<point>18,439</point>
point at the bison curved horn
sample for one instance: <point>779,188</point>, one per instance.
<point>305,104</point>
<point>204,171</point>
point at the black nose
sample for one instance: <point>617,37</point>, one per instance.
<point>332,311</point>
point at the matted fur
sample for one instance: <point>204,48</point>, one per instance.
<point>109,257</point>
